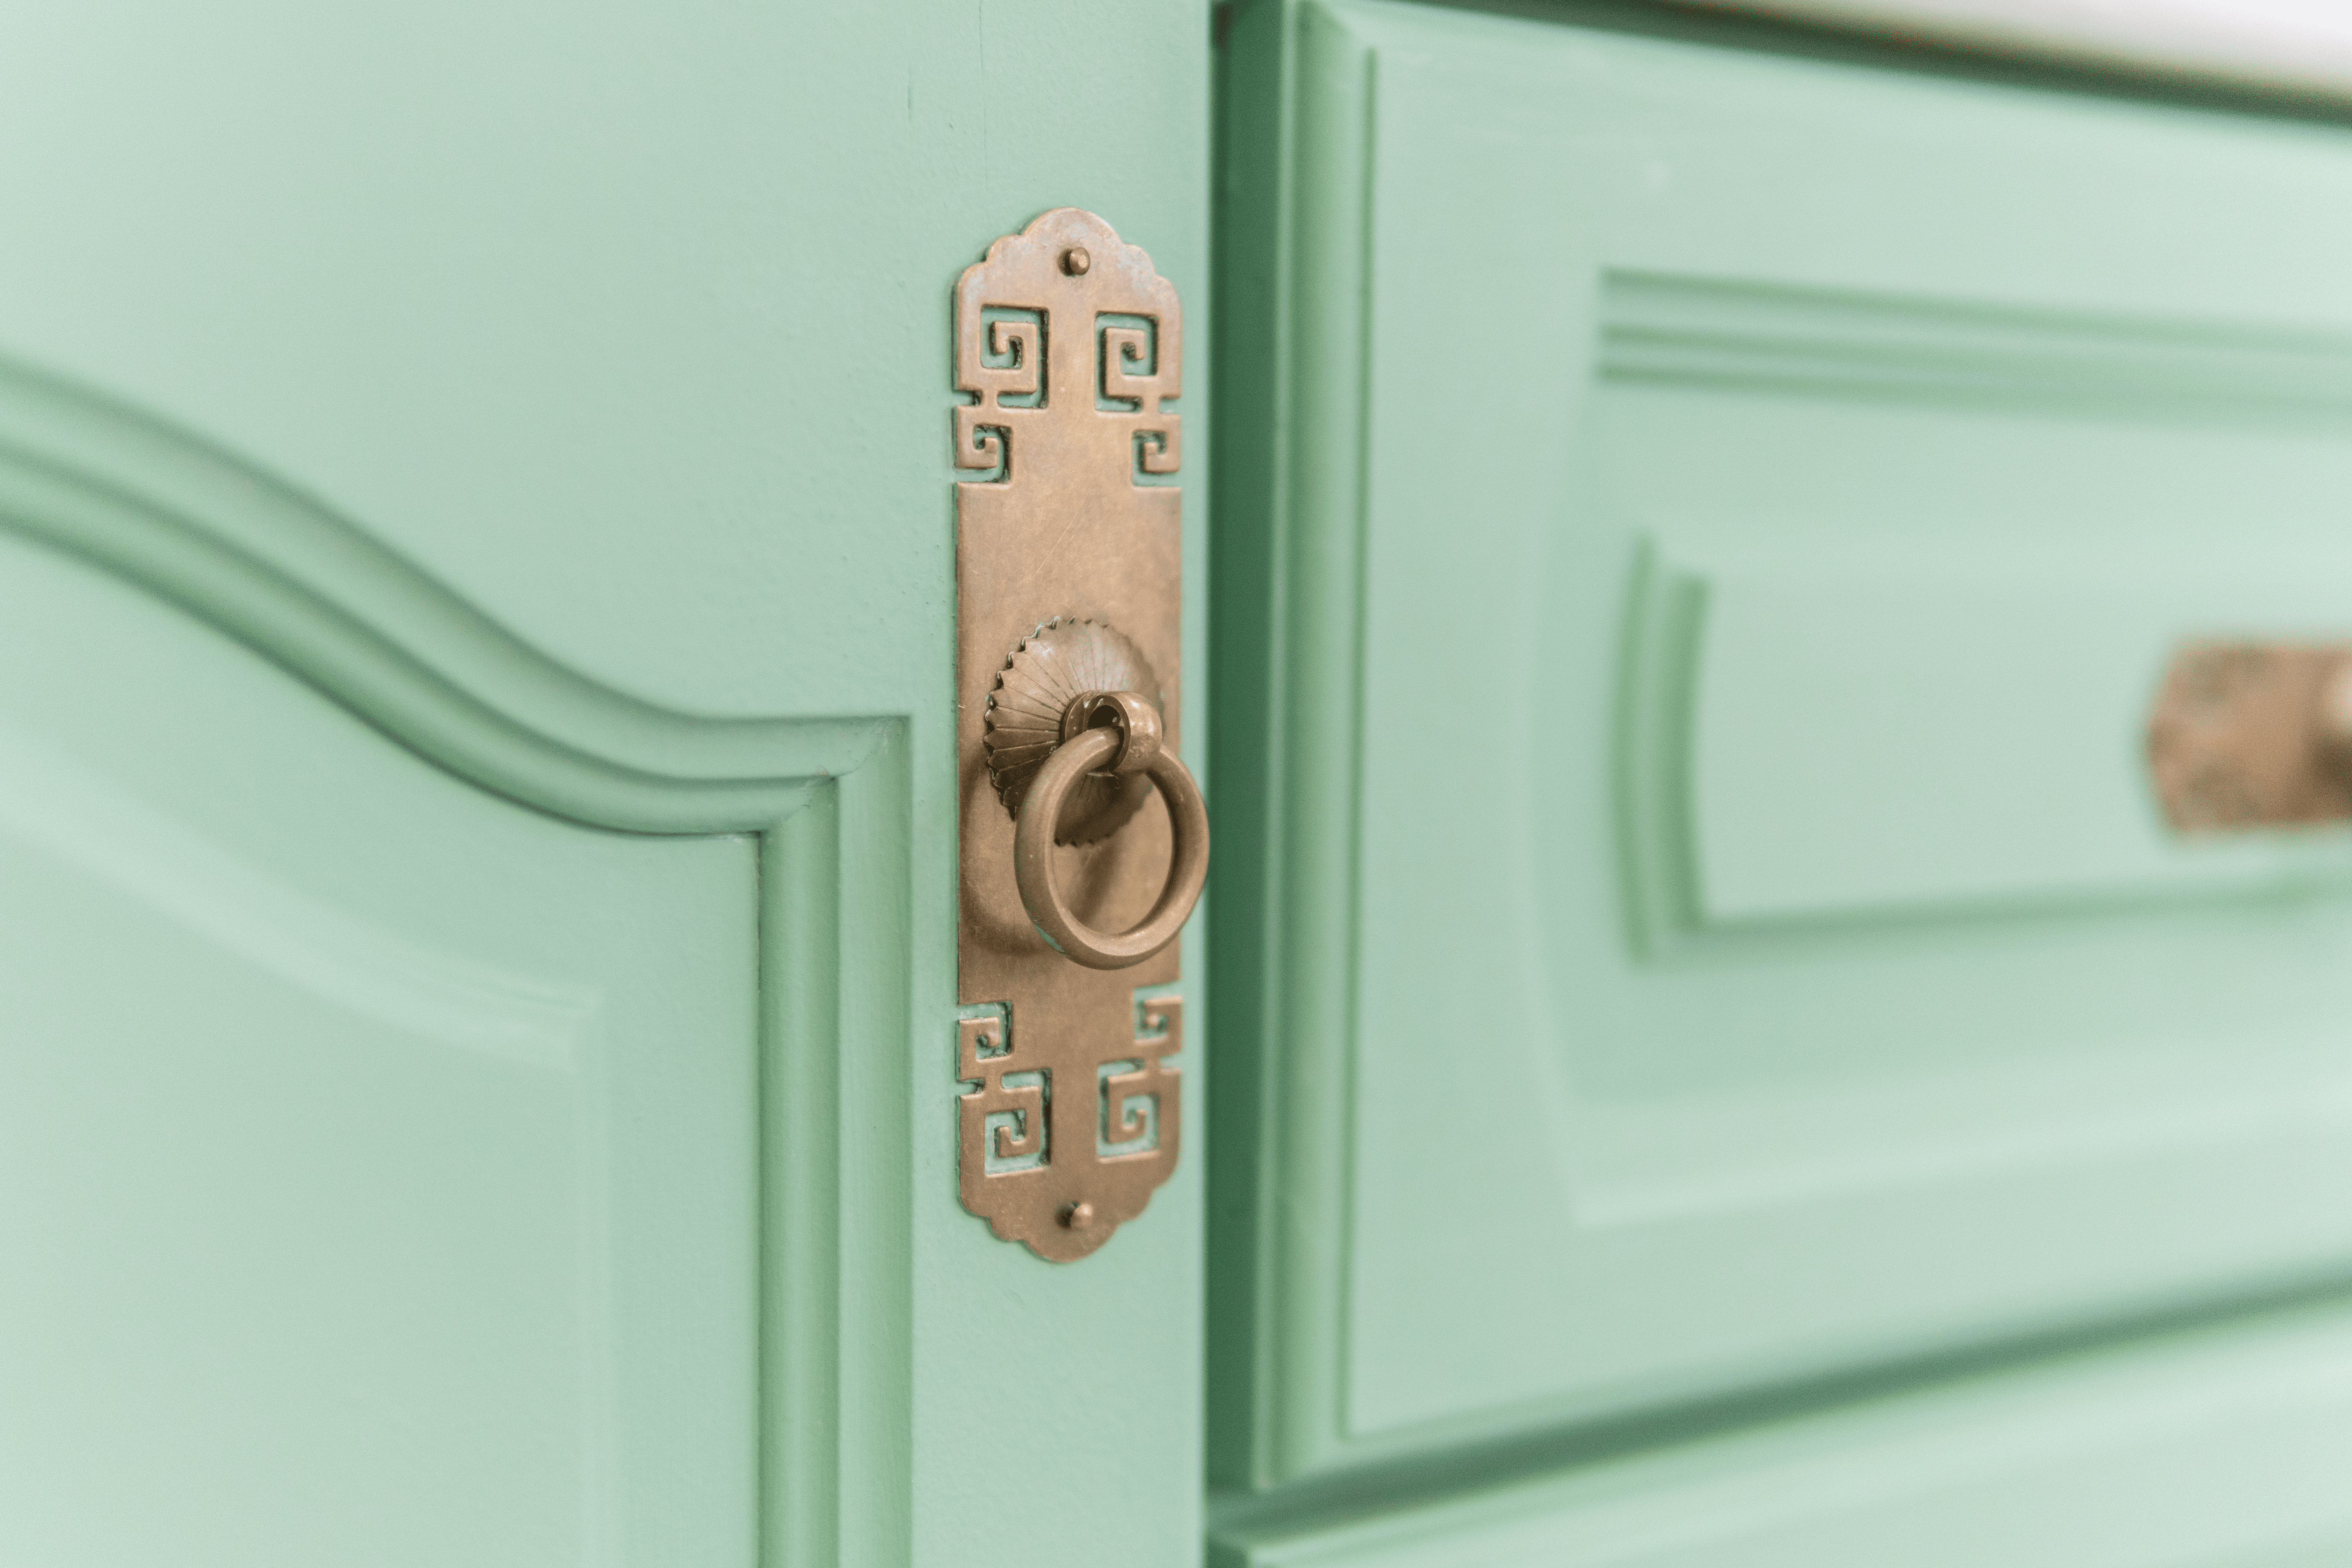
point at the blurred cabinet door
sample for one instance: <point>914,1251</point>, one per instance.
<point>477,892</point>
<point>1701,530</point>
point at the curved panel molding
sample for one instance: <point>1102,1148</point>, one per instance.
<point>830,802</point>
<point>281,573</point>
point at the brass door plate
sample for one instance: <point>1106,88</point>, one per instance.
<point>2249,735</point>
<point>1069,343</point>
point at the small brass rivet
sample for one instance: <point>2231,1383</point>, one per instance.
<point>1078,1216</point>
<point>1075,261</point>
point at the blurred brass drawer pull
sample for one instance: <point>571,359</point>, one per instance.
<point>2249,735</point>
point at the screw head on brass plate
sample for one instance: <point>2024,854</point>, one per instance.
<point>2249,735</point>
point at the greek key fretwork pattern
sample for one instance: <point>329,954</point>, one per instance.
<point>983,1058</point>
<point>1015,343</point>
<point>1067,268</point>
<point>1127,1096</point>
<point>1098,1167</point>
<point>1156,432</point>
<point>981,427</point>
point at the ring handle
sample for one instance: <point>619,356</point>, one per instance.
<point>1116,732</point>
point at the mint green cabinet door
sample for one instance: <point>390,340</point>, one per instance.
<point>372,1188</point>
<point>1701,532</point>
<point>478,798</point>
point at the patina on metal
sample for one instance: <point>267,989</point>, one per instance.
<point>1068,604</point>
<point>1055,664</point>
<point>2250,734</point>
<point>1114,733</point>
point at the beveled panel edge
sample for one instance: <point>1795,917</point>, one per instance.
<point>1794,338</point>
<point>1286,668</point>
<point>281,573</point>
<point>2230,1399</point>
<point>1664,615</point>
<point>832,802</point>
<point>844,960</point>
<point>1661,859</point>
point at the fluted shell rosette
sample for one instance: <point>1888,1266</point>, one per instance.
<point>1060,661</point>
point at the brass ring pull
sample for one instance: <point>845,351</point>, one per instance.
<point>1118,733</point>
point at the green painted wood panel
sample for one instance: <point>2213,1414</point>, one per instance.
<point>377,1165</point>
<point>2227,1447</point>
<point>587,375</point>
<point>389,1129</point>
<point>1700,531</point>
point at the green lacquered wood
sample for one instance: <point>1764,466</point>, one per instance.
<point>1562,363</point>
<point>377,1190</point>
<point>1285,613</point>
<point>213,733</point>
<point>587,378</point>
<point>2225,1447</point>
<point>154,507</point>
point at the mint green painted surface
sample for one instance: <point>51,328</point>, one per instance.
<point>1700,531</point>
<point>2225,1447</point>
<point>587,379</point>
<point>375,1191</point>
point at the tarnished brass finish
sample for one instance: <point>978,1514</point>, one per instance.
<point>1068,588</point>
<point>1134,718</point>
<point>2254,735</point>
<point>1130,746</point>
<point>1056,664</point>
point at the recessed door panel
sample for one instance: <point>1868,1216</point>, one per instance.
<point>1725,529</point>
<point>376,1154</point>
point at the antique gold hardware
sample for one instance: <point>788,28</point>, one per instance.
<point>1069,594</point>
<point>1054,666</point>
<point>2250,734</point>
<point>1130,746</point>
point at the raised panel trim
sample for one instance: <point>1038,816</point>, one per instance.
<point>1666,328</point>
<point>1288,581</point>
<point>831,800</point>
<point>281,573</point>
<point>2223,1444</point>
<point>1301,96</point>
